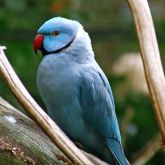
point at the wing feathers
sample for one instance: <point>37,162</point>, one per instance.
<point>117,152</point>
<point>99,111</point>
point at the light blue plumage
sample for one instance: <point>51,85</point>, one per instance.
<point>75,90</point>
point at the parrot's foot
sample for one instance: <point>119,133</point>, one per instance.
<point>79,145</point>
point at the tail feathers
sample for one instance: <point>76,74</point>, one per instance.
<point>117,151</point>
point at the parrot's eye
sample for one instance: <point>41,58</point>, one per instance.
<point>55,33</point>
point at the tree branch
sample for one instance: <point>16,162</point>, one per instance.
<point>45,122</point>
<point>151,59</point>
<point>148,151</point>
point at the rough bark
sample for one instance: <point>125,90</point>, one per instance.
<point>23,142</point>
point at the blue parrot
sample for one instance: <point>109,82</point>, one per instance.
<point>75,90</point>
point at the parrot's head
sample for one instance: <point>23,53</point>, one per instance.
<point>58,34</point>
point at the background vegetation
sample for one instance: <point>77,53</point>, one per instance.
<point>110,26</point>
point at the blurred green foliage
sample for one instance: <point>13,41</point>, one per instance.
<point>112,31</point>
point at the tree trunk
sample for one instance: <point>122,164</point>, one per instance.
<point>23,142</point>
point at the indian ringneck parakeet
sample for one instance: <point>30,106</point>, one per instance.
<point>75,90</point>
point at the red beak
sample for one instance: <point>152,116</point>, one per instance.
<point>38,43</point>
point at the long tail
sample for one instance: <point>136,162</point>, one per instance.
<point>117,152</point>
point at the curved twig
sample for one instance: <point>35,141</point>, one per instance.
<point>149,150</point>
<point>151,59</point>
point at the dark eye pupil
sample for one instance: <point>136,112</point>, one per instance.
<point>55,33</point>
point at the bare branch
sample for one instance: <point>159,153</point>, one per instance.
<point>151,59</point>
<point>48,125</point>
<point>148,151</point>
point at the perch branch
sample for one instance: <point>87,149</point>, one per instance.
<point>29,104</point>
<point>151,59</point>
<point>148,151</point>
